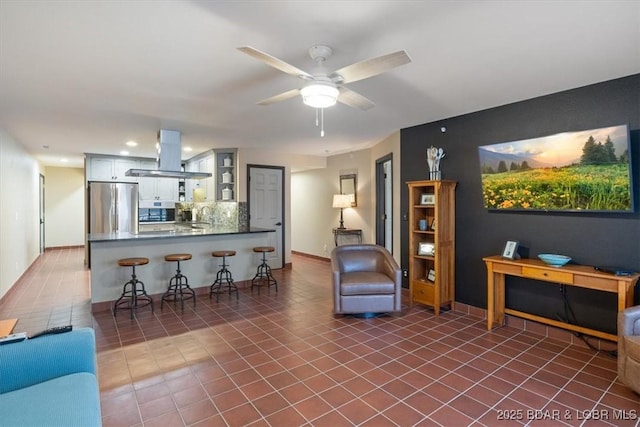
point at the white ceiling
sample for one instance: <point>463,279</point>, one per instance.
<point>86,76</point>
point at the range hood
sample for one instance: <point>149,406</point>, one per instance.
<point>168,159</point>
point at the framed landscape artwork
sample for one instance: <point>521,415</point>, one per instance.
<point>584,171</point>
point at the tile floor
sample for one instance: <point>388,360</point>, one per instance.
<point>282,359</point>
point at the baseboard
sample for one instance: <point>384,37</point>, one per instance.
<point>538,328</point>
<point>55,248</point>
<point>319,258</point>
<point>15,285</point>
<point>201,291</point>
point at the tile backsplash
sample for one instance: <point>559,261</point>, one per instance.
<point>218,214</point>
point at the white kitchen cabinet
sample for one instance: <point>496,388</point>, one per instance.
<point>206,187</point>
<point>225,174</point>
<point>161,189</point>
<point>110,169</point>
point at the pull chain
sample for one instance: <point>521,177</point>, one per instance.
<point>321,122</point>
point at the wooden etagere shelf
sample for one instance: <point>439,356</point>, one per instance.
<point>432,246</point>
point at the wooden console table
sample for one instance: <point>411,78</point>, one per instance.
<point>571,275</point>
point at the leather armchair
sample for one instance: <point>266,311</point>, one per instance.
<point>366,279</point>
<point>629,347</point>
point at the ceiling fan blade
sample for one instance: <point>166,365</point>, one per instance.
<point>371,67</point>
<point>354,99</point>
<point>274,62</point>
<point>280,97</point>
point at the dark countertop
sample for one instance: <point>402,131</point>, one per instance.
<point>179,232</point>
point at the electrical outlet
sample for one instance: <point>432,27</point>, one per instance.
<point>325,248</point>
<point>405,272</point>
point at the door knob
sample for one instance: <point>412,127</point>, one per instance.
<point>278,223</point>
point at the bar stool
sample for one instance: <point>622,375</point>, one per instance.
<point>133,291</point>
<point>223,277</point>
<point>263,275</point>
<point>179,289</point>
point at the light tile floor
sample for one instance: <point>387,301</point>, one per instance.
<point>283,359</point>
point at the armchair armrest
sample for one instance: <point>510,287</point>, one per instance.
<point>29,362</point>
<point>629,321</point>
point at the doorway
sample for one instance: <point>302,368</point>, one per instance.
<point>384,202</point>
<point>41,214</point>
<point>266,205</point>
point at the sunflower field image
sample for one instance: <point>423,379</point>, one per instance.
<point>573,171</point>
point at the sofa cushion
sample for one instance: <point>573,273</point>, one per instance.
<point>70,400</point>
<point>365,283</point>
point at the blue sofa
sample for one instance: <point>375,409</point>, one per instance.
<point>50,381</point>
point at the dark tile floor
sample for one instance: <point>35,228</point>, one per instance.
<point>283,359</point>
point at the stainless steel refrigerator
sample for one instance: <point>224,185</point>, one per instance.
<point>113,207</point>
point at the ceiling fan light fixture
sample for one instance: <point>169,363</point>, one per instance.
<point>320,94</point>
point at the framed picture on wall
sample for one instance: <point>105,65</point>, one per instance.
<point>510,250</point>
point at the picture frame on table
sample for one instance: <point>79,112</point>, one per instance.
<point>426,248</point>
<point>431,275</point>
<point>427,199</point>
<point>510,250</point>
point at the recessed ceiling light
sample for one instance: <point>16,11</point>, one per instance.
<point>124,152</point>
<point>63,160</point>
<point>131,143</point>
<point>187,149</point>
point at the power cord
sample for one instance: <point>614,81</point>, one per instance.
<point>570,318</point>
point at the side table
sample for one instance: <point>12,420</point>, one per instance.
<point>346,232</point>
<point>6,326</point>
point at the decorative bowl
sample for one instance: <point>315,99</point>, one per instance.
<point>554,260</point>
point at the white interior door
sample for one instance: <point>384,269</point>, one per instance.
<point>266,203</point>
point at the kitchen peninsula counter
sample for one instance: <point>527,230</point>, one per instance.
<point>105,249</point>
<point>185,232</point>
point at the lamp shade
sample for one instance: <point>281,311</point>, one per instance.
<point>320,94</point>
<point>342,200</point>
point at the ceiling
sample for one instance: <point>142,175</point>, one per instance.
<point>87,76</point>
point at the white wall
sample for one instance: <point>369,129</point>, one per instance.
<point>312,191</point>
<point>64,207</point>
<point>19,211</point>
<point>390,145</point>
<point>273,158</point>
<point>312,216</point>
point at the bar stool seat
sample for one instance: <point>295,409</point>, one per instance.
<point>133,295</point>
<point>223,276</point>
<point>179,289</point>
<point>263,275</point>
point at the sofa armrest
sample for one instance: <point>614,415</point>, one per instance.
<point>29,362</point>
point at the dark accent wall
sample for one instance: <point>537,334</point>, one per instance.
<point>590,239</point>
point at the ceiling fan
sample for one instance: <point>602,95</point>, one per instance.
<point>325,88</point>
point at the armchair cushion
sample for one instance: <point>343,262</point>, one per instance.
<point>365,283</point>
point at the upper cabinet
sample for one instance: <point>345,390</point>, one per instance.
<point>200,190</point>
<point>110,169</point>
<point>161,189</point>
<point>225,174</point>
